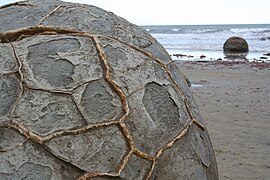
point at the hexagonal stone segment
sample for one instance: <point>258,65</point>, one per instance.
<point>160,106</point>
<point>44,112</point>
<point>99,150</point>
<point>157,117</point>
<point>58,62</point>
<point>9,93</point>
<point>98,102</point>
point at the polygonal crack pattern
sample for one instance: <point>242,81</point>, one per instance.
<point>131,70</point>
<point>98,102</point>
<point>89,106</point>
<point>60,63</point>
<point>156,118</point>
<point>84,18</point>
<point>49,112</point>
<point>95,150</point>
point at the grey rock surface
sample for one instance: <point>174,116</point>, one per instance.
<point>7,59</point>
<point>85,94</point>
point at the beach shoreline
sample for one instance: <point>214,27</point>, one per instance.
<point>217,55</point>
<point>234,98</point>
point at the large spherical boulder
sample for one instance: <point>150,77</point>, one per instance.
<point>86,94</point>
<point>235,45</point>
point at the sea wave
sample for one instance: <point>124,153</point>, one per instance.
<point>233,31</point>
<point>176,30</point>
<point>207,31</point>
<point>252,30</point>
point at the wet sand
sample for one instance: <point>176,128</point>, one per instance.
<point>234,99</point>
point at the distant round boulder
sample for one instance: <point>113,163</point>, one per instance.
<point>235,45</point>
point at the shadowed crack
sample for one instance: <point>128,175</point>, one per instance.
<point>11,36</point>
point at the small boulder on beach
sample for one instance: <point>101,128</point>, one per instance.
<point>235,48</point>
<point>235,45</point>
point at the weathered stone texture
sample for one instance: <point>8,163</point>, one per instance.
<point>181,82</point>
<point>31,161</point>
<point>59,62</point>
<point>9,93</point>
<point>86,94</point>
<point>130,68</point>
<point>155,118</point>
<point>136,168</point>
<point>191,155</point>
<point>96,150</point>
<point>80,17</point>
<point>44,112</point>
<point>98,102</point>
<point>7,60</point>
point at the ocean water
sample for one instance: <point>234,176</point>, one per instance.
<point>208,40</point>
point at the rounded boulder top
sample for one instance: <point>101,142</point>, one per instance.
<point>81,17</point>
<point>84,94</point>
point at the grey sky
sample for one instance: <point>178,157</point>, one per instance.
<point>149,12</point>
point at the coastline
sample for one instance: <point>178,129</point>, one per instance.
<point>217,55</point>
<point>195,41</point>
<point>234,99</point>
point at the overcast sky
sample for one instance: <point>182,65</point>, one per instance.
<point>166,12</point>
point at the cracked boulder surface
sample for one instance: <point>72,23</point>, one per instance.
<point>84,94</point>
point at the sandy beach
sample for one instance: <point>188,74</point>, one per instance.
<point>234,99</point>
